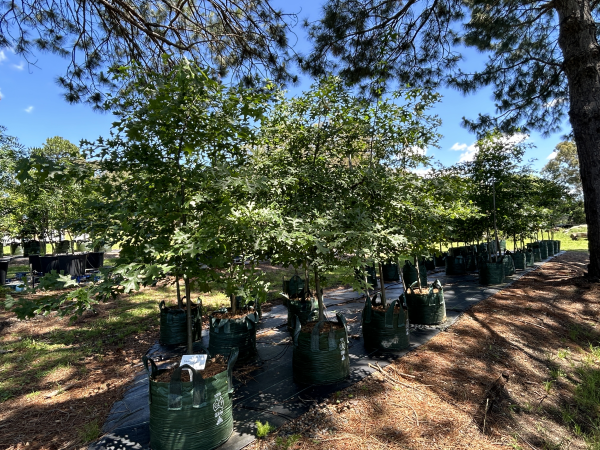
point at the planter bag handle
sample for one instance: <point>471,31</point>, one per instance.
<point>341,320</point>
<point>251,320</point>
<point>314,339</point>
<point>152,372</point>
<point>161,305</point>
<point>175,390</point>
<point>389,314</point>
<point>367,310</point>
<point>297,329</point>
<point>412,286</point>
<point>233,356</point>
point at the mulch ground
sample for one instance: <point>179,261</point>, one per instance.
<point>487,382</point>
<point>500,354</point>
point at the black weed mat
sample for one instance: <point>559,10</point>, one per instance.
<point>264,388</point>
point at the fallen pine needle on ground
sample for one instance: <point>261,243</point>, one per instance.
<point>526,361</point>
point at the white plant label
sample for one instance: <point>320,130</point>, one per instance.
<point>198,362</point>
<point>218,407</point>
<point>342,347</point>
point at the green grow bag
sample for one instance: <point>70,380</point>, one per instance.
<point>226,334</point>
<point>535,248</point>
<point>558,242</point>
<point>385,330</point>
<point>471,263</point>
<point>440,260</point>
<point>455,265</point>
<point>543,250</point>
<point>305,310</point>
<point>549,247</point>
<point>371,275</point>
<point>491,273</point>
<point>31,248</point>
<point>195,415</point>
<point>426,309</point>
<point>391,272</point>
<point>519,260</point>
<point>63,247</point>
<point>430,263</point>
<point>509,265</point>
<point>409,273</point>
<point>321,358</point>
<point>294,287</point>
<point>556,247</point>
<point>173,326</point>
<point>529,258</point>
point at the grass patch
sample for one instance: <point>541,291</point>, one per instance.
<point>89,431</point>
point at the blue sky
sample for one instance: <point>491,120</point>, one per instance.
<point>33,109</point>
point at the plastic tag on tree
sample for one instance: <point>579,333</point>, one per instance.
<point>196,361</point>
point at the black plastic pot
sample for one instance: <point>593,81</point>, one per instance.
<point>73,265</point>
<point>427,308</point>
<point>385,330</point>
<point>305,310</point>
<point>3,271</point>
<point>226,334</point>
<point>35,263</point>
<point>195,415</point>
<point>95,260</point>
<point>321,358</point>
<point>48,264</point>
<point>173,324</point>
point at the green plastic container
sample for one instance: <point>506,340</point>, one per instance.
<point>306,311</point>
<point>549,247</point>
<point>195,415</point>
<point>321,358</point>
<point>535,247</point>
<point>385,330</point>
<point>227,334</point>
<point>409,273</point>
<point>491,273</point>
<point>558,245</point>
<point>426,309</point>
<point>173,325</point>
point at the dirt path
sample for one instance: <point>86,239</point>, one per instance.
<point>530,353</point>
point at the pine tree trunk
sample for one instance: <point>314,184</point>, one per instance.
<point>579,45</point>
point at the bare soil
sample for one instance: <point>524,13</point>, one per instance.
<point>327,327</point>
<point>213,367</point>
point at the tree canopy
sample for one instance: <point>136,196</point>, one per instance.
<point>237,38</point>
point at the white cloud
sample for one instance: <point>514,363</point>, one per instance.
<point>459,147</point>
<point>422,172</point>
<point>29,109</point>
<point>469,151</point>
<point>1,95</point>
<point>19,66</point>
<point>552,155</point>
<point>554,102</point>
<point>418,150</point>
<point>2,56</point>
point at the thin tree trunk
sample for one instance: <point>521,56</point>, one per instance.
<point>495,224</point>
<point>190,338</point>
<point>319,297</point>
<point>383,298</point>
<point>179,301</point>
<point>418,272</point>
